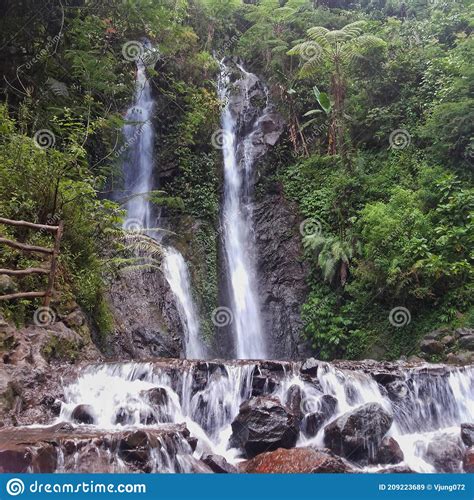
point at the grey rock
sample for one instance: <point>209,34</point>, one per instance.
<point>467,434</point>
<point>432,346</point>
<point>263,424</point>
<point>358,434</point>
<point>445,453</point>
<point>467,342</point>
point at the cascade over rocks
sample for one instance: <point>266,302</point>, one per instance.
<point>263,424</point>
<point>358,434</point>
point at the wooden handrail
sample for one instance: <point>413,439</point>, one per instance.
<point>54,252</point>
<point>31,225</point>
<point>21,295</point>
<point>24,272</point>
<point>25,248</point>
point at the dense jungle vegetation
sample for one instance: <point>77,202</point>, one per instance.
<point>378,155</point>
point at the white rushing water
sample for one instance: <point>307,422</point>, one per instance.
<point>237,224</point>
<point>138,170</point>
<point>426,407</point>
<point>177,275</point>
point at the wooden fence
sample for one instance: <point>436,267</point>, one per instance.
<point>53,252</point>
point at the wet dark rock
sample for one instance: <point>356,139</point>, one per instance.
<point>358,433</point>
<point>51,403</point>
<point>467,434</point>
<point>385,378</point>
<point>432,346</point>
<point>327,405</point>
<point>263,424</point>
<point>389,452</point>
<point>397,390</point>
<point>136,447</point>
<point>282,276</point>
<point>83,414</point>
<point>296,461</point>
<point>263,385</point>
<point>445,453</point>
<point>310,367</point>
<point>293,400</point>
<point>468,461</point>
<point>219,464</point>
<point>313,422</point>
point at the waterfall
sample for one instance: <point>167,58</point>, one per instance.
<point>138,169</point>
<point>239,157</point>
<point>176,273</point>
<point>427,404</point>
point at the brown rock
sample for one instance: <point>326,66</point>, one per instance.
<point>295,461</point>
<point>468,461</point>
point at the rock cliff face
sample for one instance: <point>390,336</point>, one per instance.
<point>147,322</point>
<point>282,274</point>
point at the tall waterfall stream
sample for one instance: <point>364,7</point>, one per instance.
<point>138,169</point>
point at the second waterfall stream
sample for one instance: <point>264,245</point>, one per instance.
<point>240,126</point>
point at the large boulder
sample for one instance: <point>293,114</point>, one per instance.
<point>358,434</point>
<point>263,424</point>
<point>445,453</point>
<point>296,461</point>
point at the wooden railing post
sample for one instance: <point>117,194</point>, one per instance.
<point>54,259</point>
